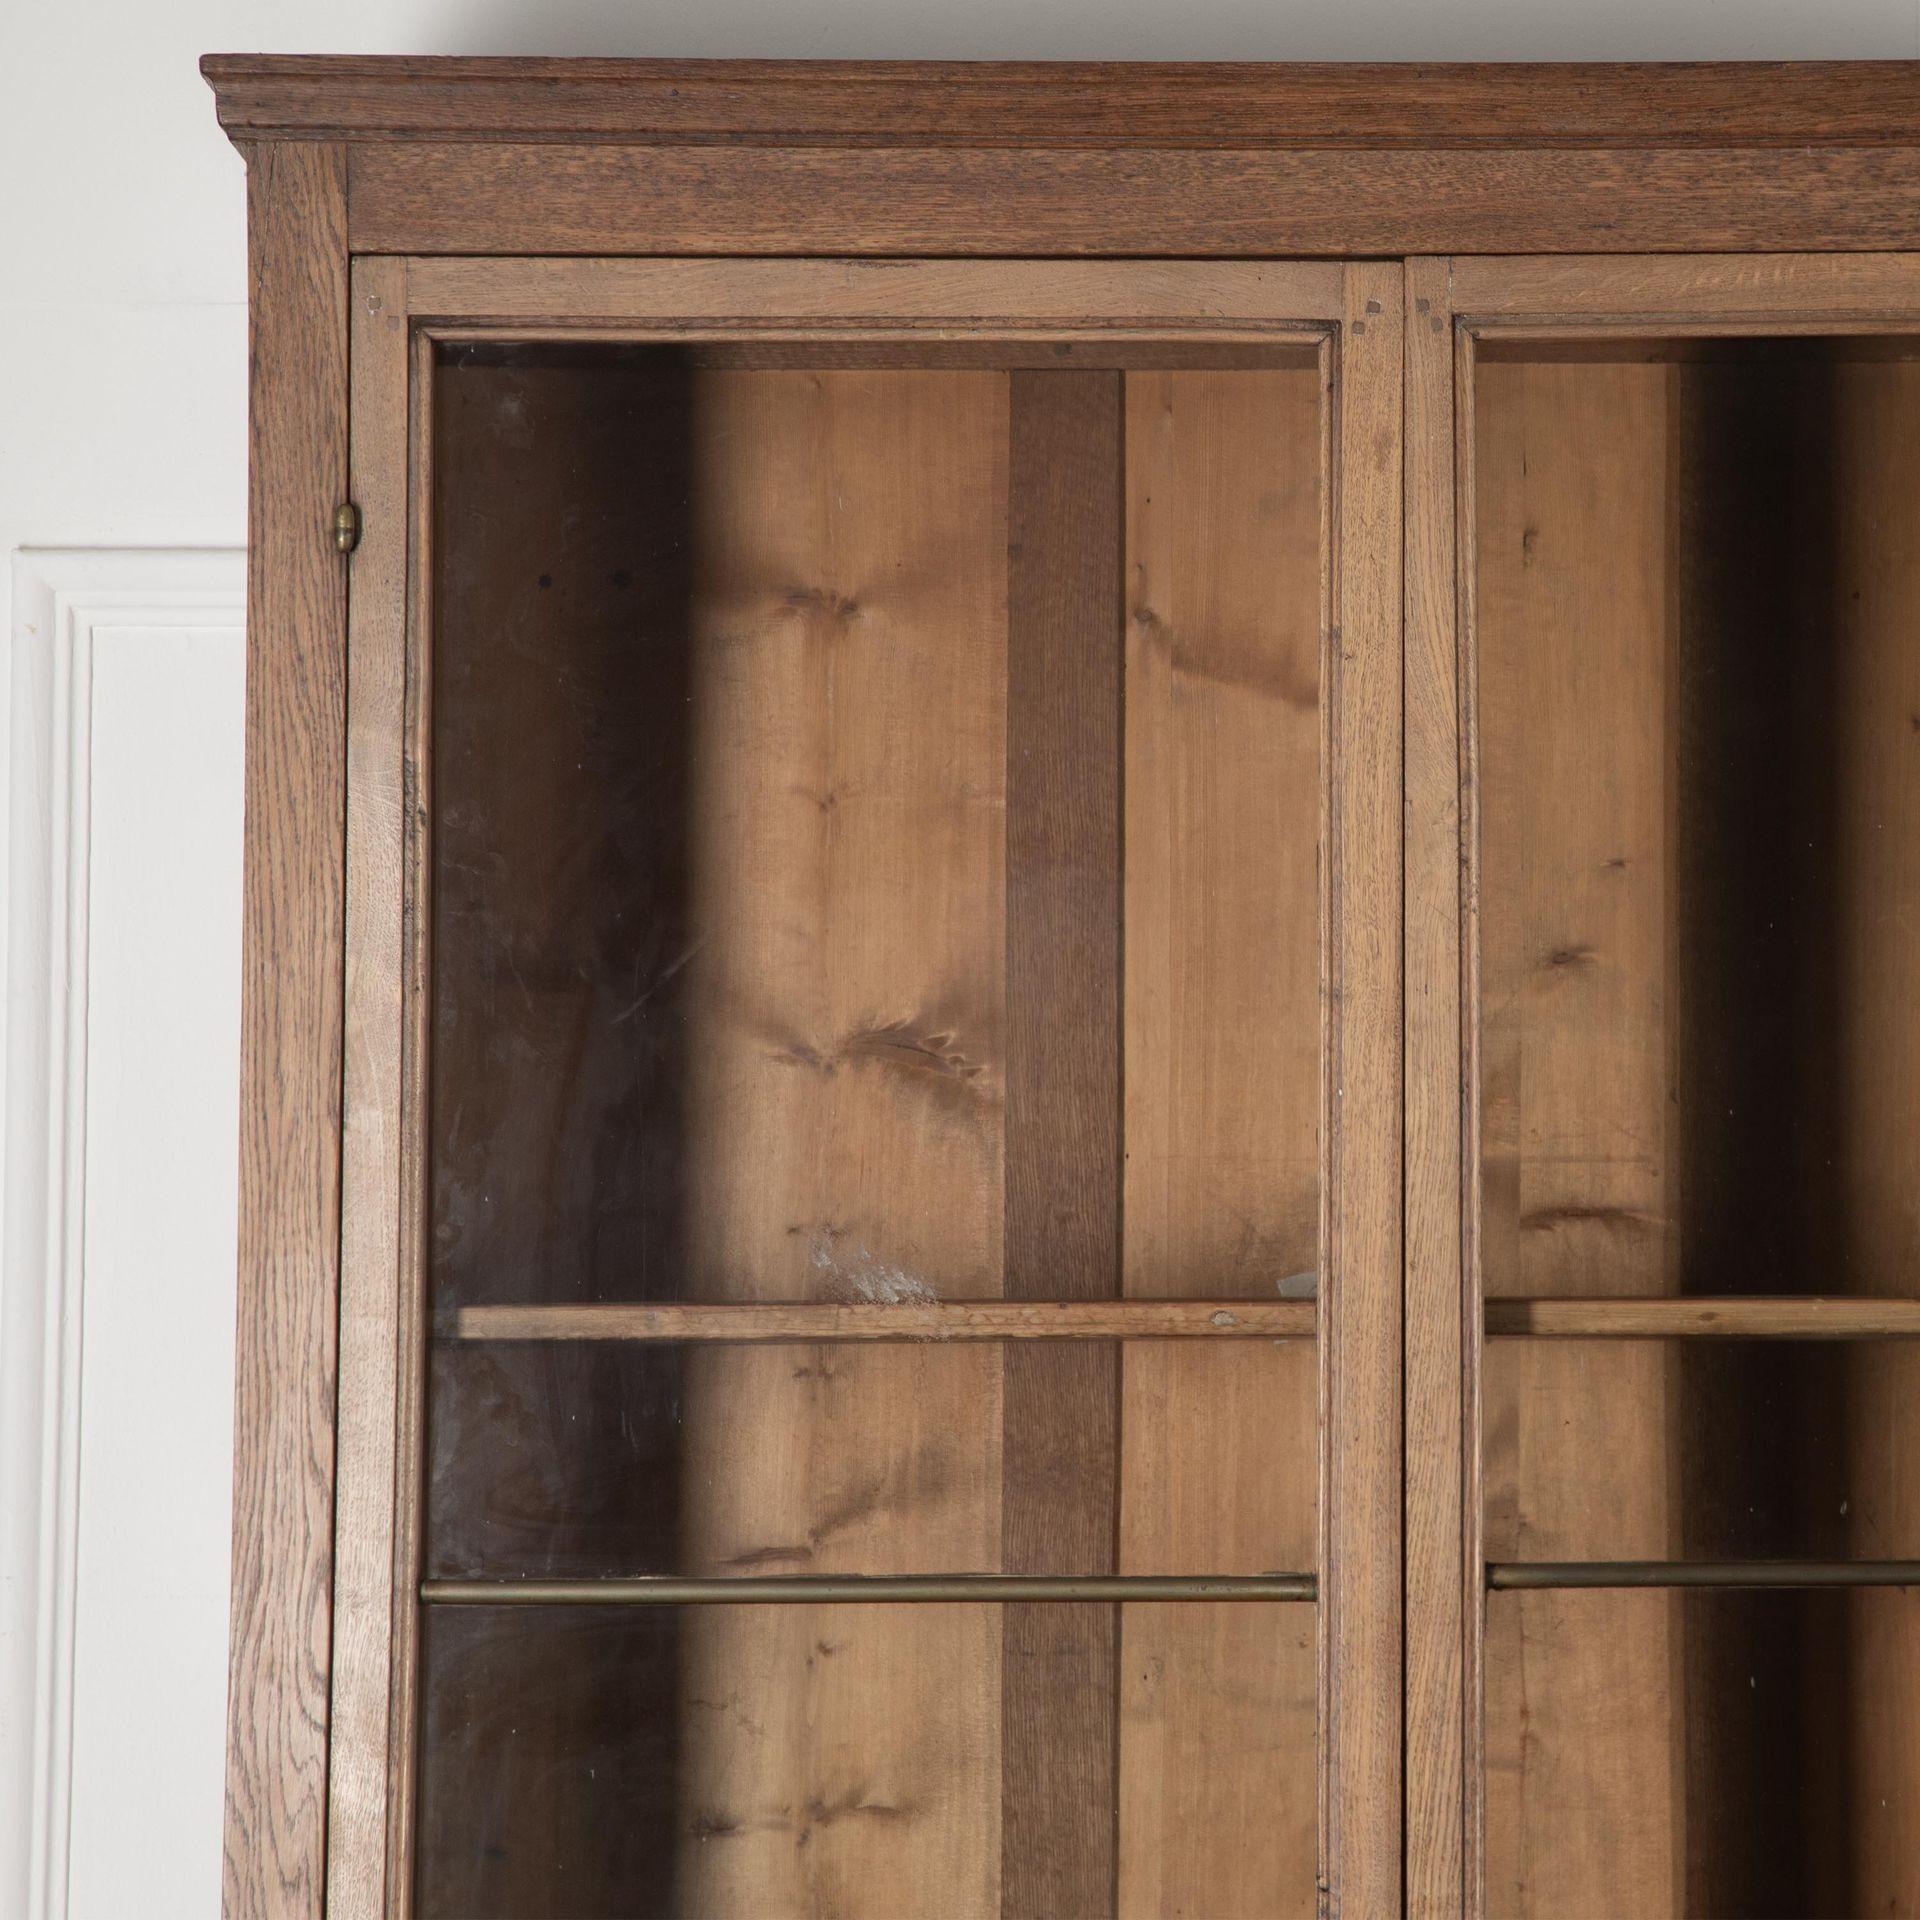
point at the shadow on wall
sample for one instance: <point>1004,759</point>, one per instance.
<point>903,30</point>
<point>1150,29</point>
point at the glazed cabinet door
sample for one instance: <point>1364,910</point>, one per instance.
<point>870,1354</point>
<point>1663,928</point>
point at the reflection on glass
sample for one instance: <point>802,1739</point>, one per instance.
<point>1699,801</point>
<point>794,1760</point>
<point>573,1459</point>
<point>1737,1450</point>
<point>1741,1754</point>
<point>875,820</point>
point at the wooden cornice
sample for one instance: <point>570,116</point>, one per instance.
<point>1106,105</point>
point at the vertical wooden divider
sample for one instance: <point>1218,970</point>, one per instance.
<point>370,1600</point>
<point>1360,1323</point>
<point>1442,1550</point>
<point>1063,1118</point>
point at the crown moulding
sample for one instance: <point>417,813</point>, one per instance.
<point>1110,105</point>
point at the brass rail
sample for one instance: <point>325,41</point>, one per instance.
<point>1546,1576</point>
<point>841,1590</point>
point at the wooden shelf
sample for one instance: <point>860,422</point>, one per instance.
<point>826,1320</point>
<point>1800,1317</point>
<point>1795,1317</point>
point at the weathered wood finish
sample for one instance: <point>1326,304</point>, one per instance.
<point>918,300</point>
<point>452,198</point>
<point>1070,103</point>
<point>1463,528</point>
<point>848,1060</point>
<point>1442,1574</point>
<point>1227,488</point>
<point>379,1303</point>
<point>290,1038</point>
<point>1570,530</point>
<point>904,1320</point>
<point>1360,1321</point>
<point>1668,297</point>
<point>1060,1412</point>
<point>1715,1317</point>
<point>1866,450</point>
<point>1725,516</point>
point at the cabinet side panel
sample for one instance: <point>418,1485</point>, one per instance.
<point>290,1048</point>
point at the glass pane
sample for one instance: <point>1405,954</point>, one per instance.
<point>875,859</point>
<point>1728,1754</point>
<point>575,1460</point>
<point>769,934</point>
<point>851,1759</point>
<point>1700,807</point>
<point>1697,700</point>
<point>1700,1450</point>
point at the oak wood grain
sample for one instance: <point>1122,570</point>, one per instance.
<point>1775,289</point>
<point>290,1045</point>
<point>918,300</point>
<point>1573,885</point>
<point>372,1595</point>
<point>1714,1317</point>
<point>834,1320</point>
<point>1360,1322</point>
<point>1223,627</point>
<point>1070,103</point>
<point>1063,1156</point>
<point>450,197</point>
<point>1859,443</point>
<point>1442,1598</point>
<point>1473,1903</point>
<point>846,1011</point>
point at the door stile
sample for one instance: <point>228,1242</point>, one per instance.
<point>1442,1597</point>
<point>1467,1093</point>
<point>1360,1357</point>
<point>373,1576</point>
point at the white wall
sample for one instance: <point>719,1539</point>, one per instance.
<point>122,366</point>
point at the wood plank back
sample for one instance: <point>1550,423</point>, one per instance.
<point>847,1062</point>
<point>1226,491</point>
<point>1059,1672</point>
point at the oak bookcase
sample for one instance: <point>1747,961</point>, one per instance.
<point>1081,1061</point>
